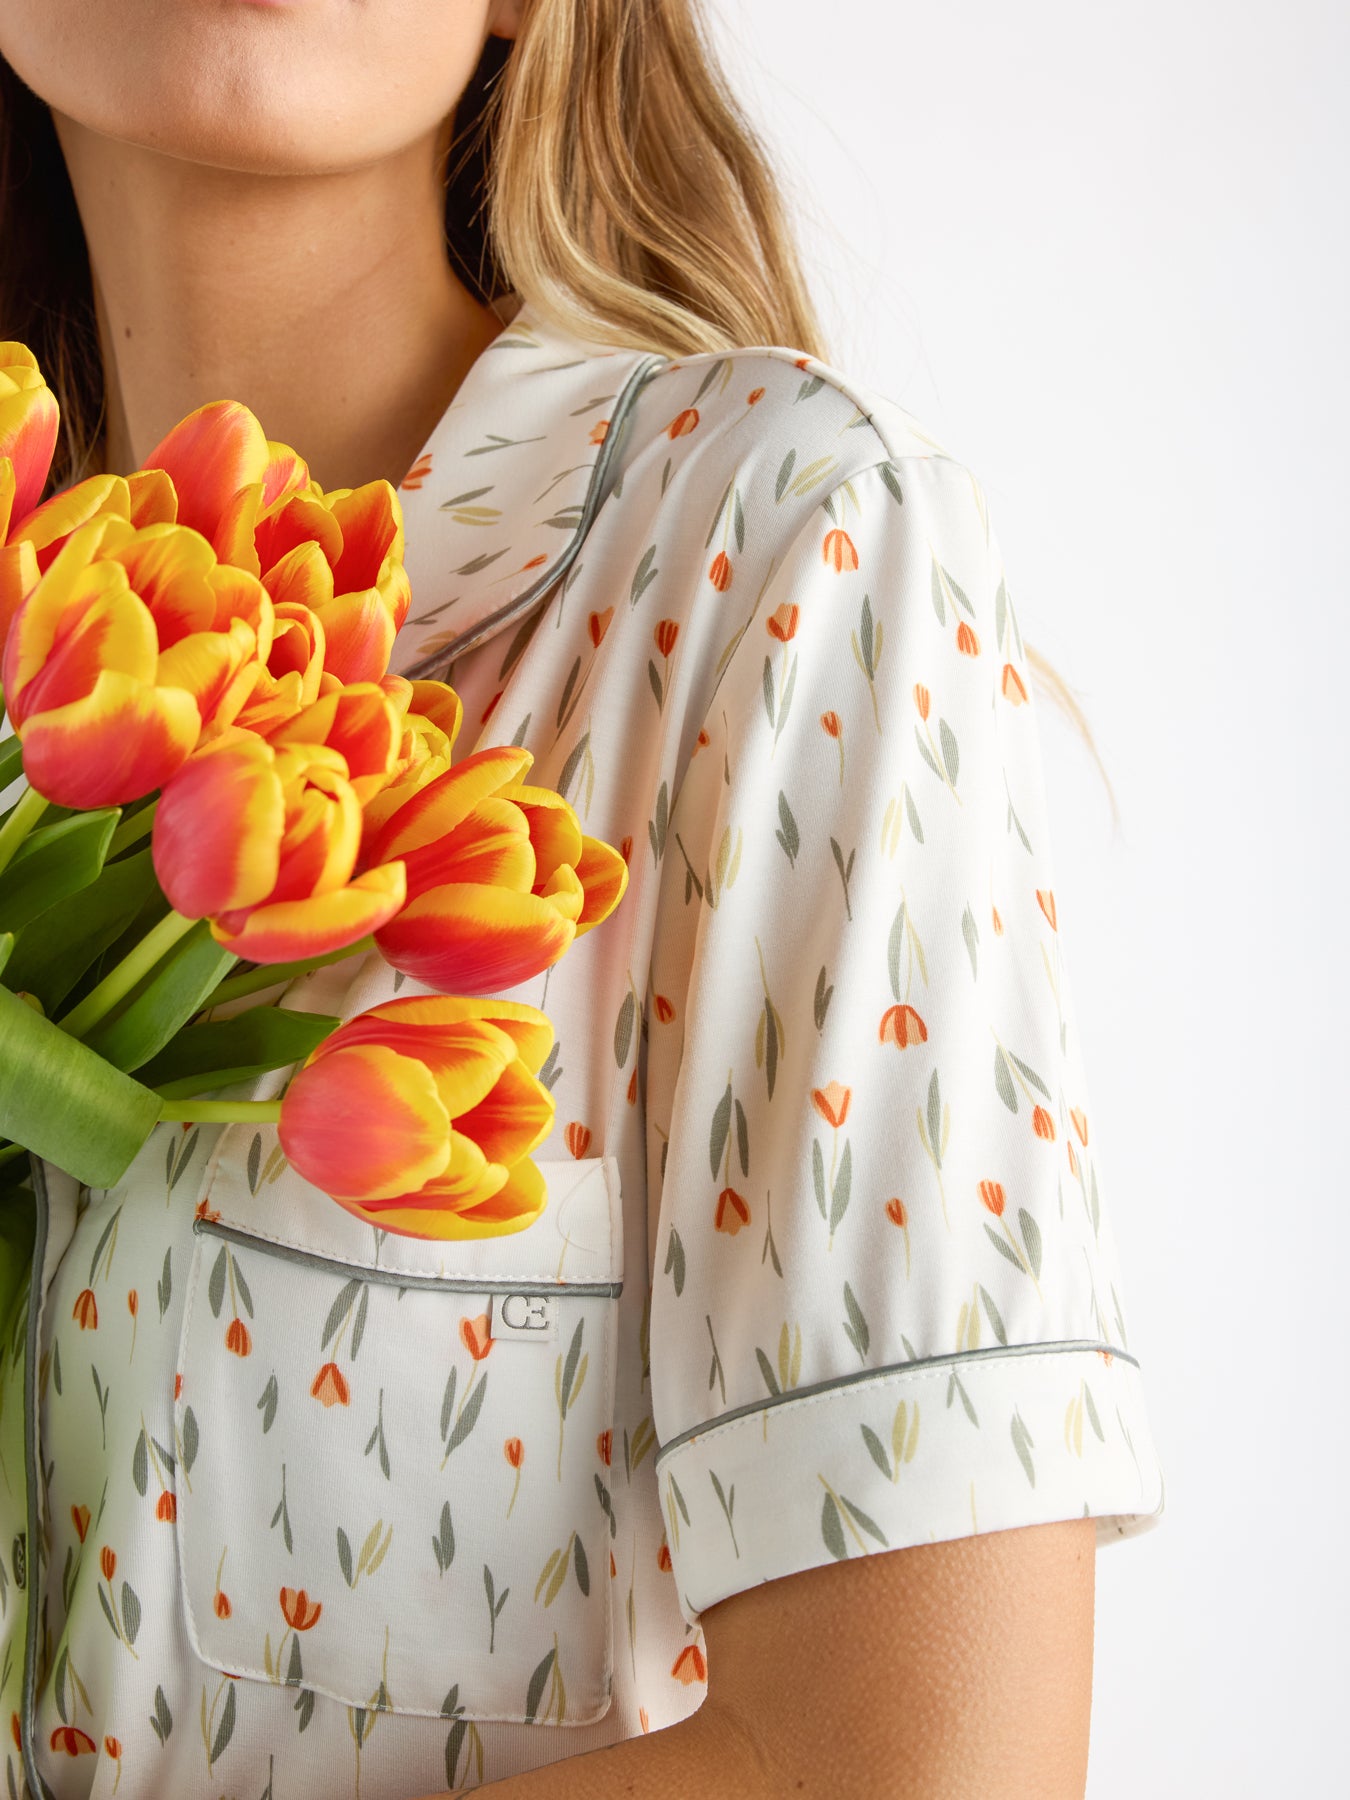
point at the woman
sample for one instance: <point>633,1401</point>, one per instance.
<point>793,1423</point>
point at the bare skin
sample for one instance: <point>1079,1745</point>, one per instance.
<point>259,190</point>
<point>952,1671</point>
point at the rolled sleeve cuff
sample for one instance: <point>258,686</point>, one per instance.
<point>944,1448</point>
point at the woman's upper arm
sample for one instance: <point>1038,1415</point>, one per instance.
<point>939,1672</point>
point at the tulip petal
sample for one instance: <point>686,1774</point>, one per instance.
<point>151,499</point>
<point>515,1205</point>
<point>465,1059</point>
<point>357,721</point>
<point>29,420</point>
<point>48,528</point>
<point>489,848</point>
<point>514,1117</point>
<point>437,701</point>
<point>206,663</point>
<point>210,456</point>
<point>604,878</point>
<point>301,577</point>
<point>360,630</point>
<point>286,473</point>
<point>530,1029</point>
<point>365,1122</point>
<point>291,929</point>
<point>473,940</point>
<point>169,567</point>
<point>62,645</point>
<point>218,829</point>
<point>121,741</point>
<point>31,640</point>
<point>441,804</point>
<point>371,520</point>
<point>18,578</point>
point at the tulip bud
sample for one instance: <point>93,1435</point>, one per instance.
<point>419,1116</point>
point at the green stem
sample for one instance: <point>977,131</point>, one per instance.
<point>221,1112</point>
<point>27,811</point>
<point>119,982</point>
<point>252,981</point>
<point>131,830</point>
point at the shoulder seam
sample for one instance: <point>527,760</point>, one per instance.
<point>842,384</point>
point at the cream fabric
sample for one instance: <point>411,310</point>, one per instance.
<point>827,1266</point>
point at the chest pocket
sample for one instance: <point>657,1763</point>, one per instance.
<point>393,1483</point>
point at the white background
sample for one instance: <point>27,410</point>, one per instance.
<point>1102,252</point>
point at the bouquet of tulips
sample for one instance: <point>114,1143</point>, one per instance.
<point>217,786</point>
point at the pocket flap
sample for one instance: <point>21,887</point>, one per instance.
<point>250,1187</point>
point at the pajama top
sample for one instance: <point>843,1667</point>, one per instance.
<point>827,1265</point>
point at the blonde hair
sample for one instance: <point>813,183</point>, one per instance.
<point>600,167</point>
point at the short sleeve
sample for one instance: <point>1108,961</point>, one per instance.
<point>886,1305</point>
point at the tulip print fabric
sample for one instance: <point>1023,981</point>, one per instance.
<point>827,1265</point>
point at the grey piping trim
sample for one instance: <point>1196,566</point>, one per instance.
<point>32,1522</point>
<point>449,1284</point>
<point>814,1388</point>
<point>522,602</point>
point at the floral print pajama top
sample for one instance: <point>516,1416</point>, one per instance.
<point>827,1266</point>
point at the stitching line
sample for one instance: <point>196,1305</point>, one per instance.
<point>521,603</point>
<point>821,1390</point>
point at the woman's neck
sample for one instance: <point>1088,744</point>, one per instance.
<point>325,303</point>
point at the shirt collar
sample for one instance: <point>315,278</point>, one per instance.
<point>496,506</point>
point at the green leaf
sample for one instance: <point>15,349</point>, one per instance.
<point>582,1567</point>
<point>995,1316</point>
<point>570,1366</point>
<point>11,762</point>
<point>832,1530</point>
<point>950,754</point>
<point>65,1103</point>
<point>468,1418</point>
<point>534,1693</point>
<point>131,1612</point>
<point>217,1054</point>
<point>721,1125</point>
<point>1003,1081</point>
<point>1022,1441</point>
<point>72,935</point>
<point>1031,1237</point>
<point>869,1525</point>
<point>54,861</point>
<point>1004,1249</point>
<point>225,1730</point>
<point>859,1335</point>
<point>875,1451</point>
<point>164,1001</point>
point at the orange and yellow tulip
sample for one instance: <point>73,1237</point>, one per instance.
<point>225,472</point>
<point>28,426</point>
<point>360,722</point>
<point>430,715</point>
<point>419,1116</point>
<point>131,642</point>
<point>501,878</point>
<point>98,722</point>
<point>350,572</point>
<point>263,840</point>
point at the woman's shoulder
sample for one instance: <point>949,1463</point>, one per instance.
<point>811,419</point>
<point>755,456</point>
